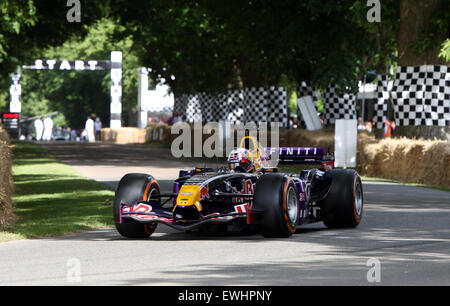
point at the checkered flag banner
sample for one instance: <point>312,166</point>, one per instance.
<point>381,105</point>
<point>193,108</point>
<point>304,90</point>
<point>255,104</point>
<point>421,95</point>
<point>180,105</point>
<point>207,103</point>
<point>277,106</point>
<point>235,106</point>
<point>338,106</point>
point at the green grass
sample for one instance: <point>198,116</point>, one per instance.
<point>51,198</point>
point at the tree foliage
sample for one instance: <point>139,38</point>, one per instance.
<point>215,45</point>
<point>200,45</point>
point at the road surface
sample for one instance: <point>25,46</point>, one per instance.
<point>405,232</point>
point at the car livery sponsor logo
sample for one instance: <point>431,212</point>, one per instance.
<point>204,192</point>
<point>247,188</point>
<point>137,209</point>
<point>144,217</point>
<point>243,208</point>
<point>186,194</point>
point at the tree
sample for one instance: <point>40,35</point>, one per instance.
<point>215,45</point>
<point>28,27</point>
<point>424,25</point>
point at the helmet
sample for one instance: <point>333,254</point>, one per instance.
<point>241,160</point>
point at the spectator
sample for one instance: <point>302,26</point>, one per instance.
<point>48,129</point>
<point>177,118</point>
<point>388,129</point>
<point>98,129</point>
<point>73,135</point>
<point>322,118</point>
<point>361,126</point>
<point>369,126</point>
<point>39,128</point>
<point>393,127</point>
<point>89,128</point>
<point>171,120</point>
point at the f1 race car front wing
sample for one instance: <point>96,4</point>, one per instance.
<point>144,212</point>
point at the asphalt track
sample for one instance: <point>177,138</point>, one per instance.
<point>407,229</point>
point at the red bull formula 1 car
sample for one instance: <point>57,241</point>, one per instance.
<point>245,193</point>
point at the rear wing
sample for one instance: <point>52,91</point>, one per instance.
<point>303,155</point>
<point>293,155</point>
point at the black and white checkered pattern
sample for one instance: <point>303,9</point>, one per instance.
<point>338,107</point>
<point>381,105</point>
<point>220,106</point>
<point>304,90</point>
<point>179,106</point>
<point>277,105</point>
<point>236,106</point>
<point>421,96</point>
<point>207,102</point>
<point>255,99</point>
<point>193,108</point>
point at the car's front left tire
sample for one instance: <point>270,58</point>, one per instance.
<point>344,204</point>
<point>135,187</point>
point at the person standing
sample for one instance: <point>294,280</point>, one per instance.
<point>98,129</point>
<point>48,129</point>
<point>388,129</point>
<point>39,128</point>
<point>89,127</point>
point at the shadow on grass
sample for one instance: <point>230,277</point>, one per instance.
<point>52,199</point>
<point>61,215</point>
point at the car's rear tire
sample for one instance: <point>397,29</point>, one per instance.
<point>132,188</point>
<point>344,203</point>
<point>276,201</point>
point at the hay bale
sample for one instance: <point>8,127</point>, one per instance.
<point>403,159</point>
<point>123,135</point>
<point>158,132</point>
<point>407,160</point>
<point>6,181</point>
<point>319,138</point>
<point>304,138</point>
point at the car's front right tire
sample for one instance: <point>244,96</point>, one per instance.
<point>277,200</point>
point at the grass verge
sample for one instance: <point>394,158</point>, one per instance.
<point>51,198</point>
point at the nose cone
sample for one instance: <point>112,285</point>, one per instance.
<point>189,195</point>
